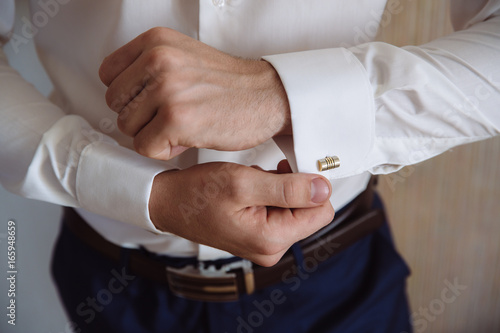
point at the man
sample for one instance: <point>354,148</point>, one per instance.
<point>375,106</point>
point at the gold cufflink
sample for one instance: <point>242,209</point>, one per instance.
<point>329,162</point>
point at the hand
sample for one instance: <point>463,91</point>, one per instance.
<point>173,92</point>
<point>248,212</point>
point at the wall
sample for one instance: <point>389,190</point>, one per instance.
<point>37,223</point>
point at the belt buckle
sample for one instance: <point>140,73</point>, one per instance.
<point>212,284</point>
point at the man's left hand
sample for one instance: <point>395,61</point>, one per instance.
<point>173,92</point>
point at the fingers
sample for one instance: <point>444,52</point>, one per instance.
<point>127,85</point>
<point>283,228</point>
<point>114,64</point>
<point>231,220</point>
<point>118,61</point>
<point>133,99</point>
<point>292,190</point>
<point>136,115</point>
<point>170,153</point>
<point>297,224</point>
<point>284,167</point>
<point>153,141</point>
<point>309,220</point>
<point>264,260</point>
<point>256,167</point>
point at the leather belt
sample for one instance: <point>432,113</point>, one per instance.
<point>229,281</point>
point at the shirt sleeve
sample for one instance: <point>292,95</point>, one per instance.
<point>50,156</point>
<point>379,107</point>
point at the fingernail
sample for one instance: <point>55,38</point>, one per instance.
<point>319,190</point>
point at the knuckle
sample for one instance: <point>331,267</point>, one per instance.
<point>176,117</point>
<point>288,193</point>
<point>123,124</point>
<point>115,101</point>
<point>330,213</point>
<point>155,57</point>
<point>155,35</point>
<point>156,80</point>
<point>269,249</point>
<point>163,76</point>
<point>325,216</point>
<point>268,261</point>
<point>269,245</point>
<point>111,100</point>
<point>156,31</point>
<point>103,73</point>
<point>239,186</point>
<point>142,147</point>
<point>163,58</point>
<point>162,87</point>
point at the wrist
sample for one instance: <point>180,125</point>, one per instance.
<point>279,101</point>
<point>161,200</point>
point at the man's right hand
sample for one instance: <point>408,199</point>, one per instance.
<point>248,212</point>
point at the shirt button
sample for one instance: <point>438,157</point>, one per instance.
<point>218,3</point>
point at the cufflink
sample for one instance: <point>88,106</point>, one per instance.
<point>328,163</point>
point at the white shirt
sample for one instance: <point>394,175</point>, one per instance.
<point>376,106</point>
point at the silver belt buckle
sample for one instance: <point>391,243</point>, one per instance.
<point>211,284</point>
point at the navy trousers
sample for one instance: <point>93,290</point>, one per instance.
<point>361,289</point>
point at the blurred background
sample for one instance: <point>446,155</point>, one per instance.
<point>445,215</point>
<point>37,225</point>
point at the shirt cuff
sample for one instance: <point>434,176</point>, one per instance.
<point>116,182</point>
<point>332,110</point>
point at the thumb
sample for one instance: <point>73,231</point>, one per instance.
<point>291,190</point>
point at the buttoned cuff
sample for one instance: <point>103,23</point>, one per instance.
<point>116,182</point>
<point>332,110</point>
